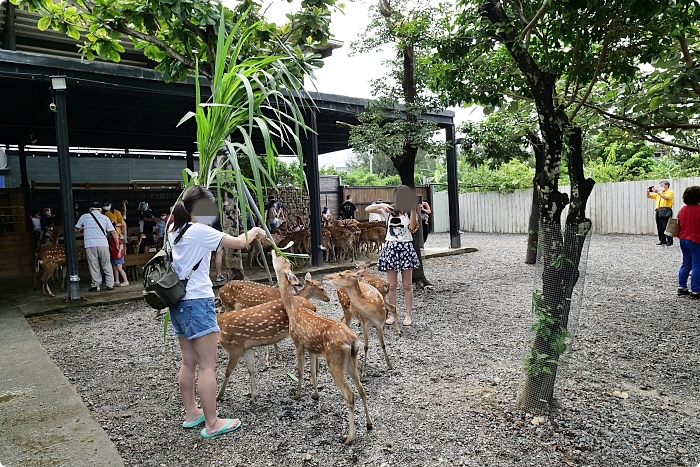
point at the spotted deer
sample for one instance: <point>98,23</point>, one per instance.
<point>242,330</point>
<point>324,337</point>
<point>375,281</point>
<point>48,259</point>
<point>235,295</point>
<point>367,304</point>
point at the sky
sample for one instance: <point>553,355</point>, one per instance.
<point>344,74</point>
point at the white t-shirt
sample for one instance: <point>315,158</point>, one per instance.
<point>197,243</point>
<point>378,216</point>
<point>397,229</point>
<point>93,235</point>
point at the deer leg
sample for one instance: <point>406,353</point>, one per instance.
<point>65,276</point>
<point>249,356</point>
<point>233,356</point>
<point>364,334</point>
<point>278,354</point>
<point>300,370</point>
<point>336,366</point>
<point>392,309</point>
<point>45,282</point>
<point>267,355</point>
<point>380,335</point>
<point>313,360</point>
<point>352,369</point>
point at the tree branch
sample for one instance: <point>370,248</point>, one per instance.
<point>656,139</point>
<point>688,61</point>
<point>644,126</point>
<point>188,62</point>
<point>535,19</point>
<point>594,78</point>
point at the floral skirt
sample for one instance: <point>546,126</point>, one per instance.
<point>398,256</point>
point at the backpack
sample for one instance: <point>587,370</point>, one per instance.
<point>162,288</point>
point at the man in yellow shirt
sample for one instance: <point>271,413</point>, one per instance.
<point>664,209</point>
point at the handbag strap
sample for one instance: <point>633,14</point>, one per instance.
<point>98,224</point>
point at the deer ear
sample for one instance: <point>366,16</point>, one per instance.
<point>292,278</point>
<point>368,263</point>
<point>307,277</point>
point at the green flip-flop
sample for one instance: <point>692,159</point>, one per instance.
<point>228,428</point>
<point>197,422</point>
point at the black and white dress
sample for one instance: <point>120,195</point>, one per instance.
<point>398,253</point>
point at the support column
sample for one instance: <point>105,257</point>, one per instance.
<point>58,88</point>
<point>311,169</point>
<point>452,187</point>
<point>26,192</point>
<point>9,41</point>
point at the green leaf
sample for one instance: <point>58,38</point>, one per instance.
<point>166,318</point>
<point>73,33</point>
<point>655,102</point>
<point>44,23</point>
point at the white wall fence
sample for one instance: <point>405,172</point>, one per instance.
<point>612,207</point>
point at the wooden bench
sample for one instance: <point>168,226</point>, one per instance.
<point>134,263</point>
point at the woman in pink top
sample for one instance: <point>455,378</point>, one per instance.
<point>689,236</point>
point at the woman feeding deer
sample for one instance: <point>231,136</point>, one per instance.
<point>194,318</point>
<point>398,254</point>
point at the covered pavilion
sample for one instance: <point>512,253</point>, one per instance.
<point>130,107</point>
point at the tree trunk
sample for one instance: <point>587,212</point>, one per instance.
<point>233,257</point>
<point>533,224</point>
<point>561,257</point>
<point>560,252</point>
<point>418,276</point>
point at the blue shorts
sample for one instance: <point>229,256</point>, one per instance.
<point>194,318</point>
<point>117,261</point>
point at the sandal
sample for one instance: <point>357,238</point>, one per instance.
<point>227,428</point>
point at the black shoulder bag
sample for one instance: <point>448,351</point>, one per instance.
<point>162,288</point>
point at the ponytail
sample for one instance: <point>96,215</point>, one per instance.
<point>183,209</point>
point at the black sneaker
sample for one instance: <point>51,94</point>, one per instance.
<point>662,244</point>
<point>683,291</point>
<point>94,289</point>
<point>109,288</point>
<point>694,294</point>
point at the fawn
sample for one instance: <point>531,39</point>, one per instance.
<point>265,323</point>
<point>48,259</point>
<point>325,337</point>
<point>367,304</point>
<point>235,295</point>
<point>375,281</point>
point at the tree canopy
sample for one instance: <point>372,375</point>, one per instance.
<point>179,33</point>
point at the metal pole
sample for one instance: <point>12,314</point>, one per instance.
<point>452,187</point>
<point>64,175</point>
<point>311,168</point>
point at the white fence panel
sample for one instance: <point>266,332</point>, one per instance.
<point>612,207</point>
<point>441,212</point>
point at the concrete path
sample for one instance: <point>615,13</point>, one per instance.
<point>43,421</point>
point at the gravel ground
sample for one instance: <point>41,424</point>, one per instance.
<point>451,398</point>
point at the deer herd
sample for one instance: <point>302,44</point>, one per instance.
<point>257,315</point>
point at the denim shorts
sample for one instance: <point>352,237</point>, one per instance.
<point>194,318</point>
<point>117,261</point>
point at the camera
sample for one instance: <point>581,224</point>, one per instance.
<point>419,199</point>
<point>651,189</point>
